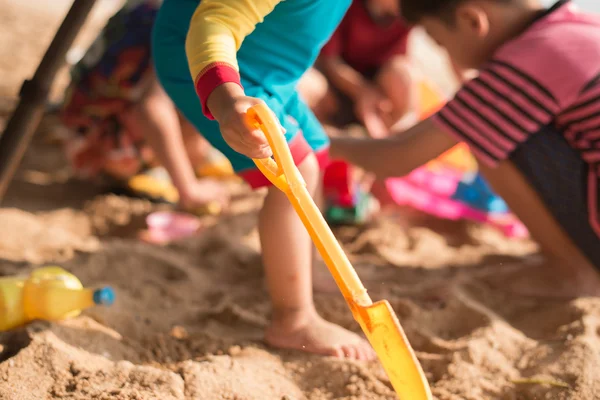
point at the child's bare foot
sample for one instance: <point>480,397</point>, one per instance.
<point>310,333</point>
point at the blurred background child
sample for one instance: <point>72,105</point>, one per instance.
<point>115,108</point>
<point>363,74</point>
<point>531,117</point>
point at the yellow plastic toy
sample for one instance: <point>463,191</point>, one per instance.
<point>164,190</point>
<point>48,293</point>
<point>377,320</point>
<point>217,166</point>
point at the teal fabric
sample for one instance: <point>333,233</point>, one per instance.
<point>272,60</point>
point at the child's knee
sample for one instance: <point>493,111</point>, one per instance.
<point>313,87</point>
<point>510,184</point>
<point>311,172</point>
<point>153,100</point>
<point>396,80</point>
<point>396,75</point>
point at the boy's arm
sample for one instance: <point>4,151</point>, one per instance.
<point>216,32</point>
<point>396,155</point>
<point>493,113</point>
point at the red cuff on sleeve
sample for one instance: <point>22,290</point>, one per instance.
<point>212,76</point>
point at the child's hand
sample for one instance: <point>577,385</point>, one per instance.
<point>203,192</point>
<point>369,108</point>
<point>229,105</point>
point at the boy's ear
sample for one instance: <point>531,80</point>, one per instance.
<point>472,18</point>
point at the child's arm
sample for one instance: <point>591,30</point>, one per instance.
<point>396,155</point>
<point>367,98</point>
<point>216,32</point>
<point>345,78</point>
<point>510,99</point>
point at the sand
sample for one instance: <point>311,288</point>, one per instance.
<point>189,317</point>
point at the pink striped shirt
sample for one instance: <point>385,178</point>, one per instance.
<point>550,74</point>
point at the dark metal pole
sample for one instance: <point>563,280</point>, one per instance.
<point>34,93</point>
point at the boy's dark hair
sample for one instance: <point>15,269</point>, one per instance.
<point>414,10</point>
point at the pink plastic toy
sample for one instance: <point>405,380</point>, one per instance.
<point>166,226</point>
<point>447,187</point>
<point>435,198</point>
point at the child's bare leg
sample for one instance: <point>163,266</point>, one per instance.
<point>396,81</point>
<point>196,146</point>
<point>315,91</point>
<point>567,272</point>
<point>312,87</point>
<point>288,257</point>
<point>323,281</point>
<point>157,118</point>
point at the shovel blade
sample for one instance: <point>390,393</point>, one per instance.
<point>383,330</point>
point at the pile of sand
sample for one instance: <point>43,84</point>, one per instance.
<point>189,318</point>
<point>46,237</point>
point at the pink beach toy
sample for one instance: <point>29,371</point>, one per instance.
<point>434,189</point>
<point>166,226</point>
<point>431,193</point>
<point>448,187</point>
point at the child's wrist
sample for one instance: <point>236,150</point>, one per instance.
<point>185,190</point>
<point>183,180</point>
<point>222,99</point>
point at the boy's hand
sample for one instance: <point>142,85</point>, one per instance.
<point>229,105</point>
<point>369,107</point>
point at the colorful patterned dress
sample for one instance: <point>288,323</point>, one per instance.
<point>106,83</point>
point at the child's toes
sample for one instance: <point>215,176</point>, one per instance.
<point>351,352</point>
<point>337,351</point>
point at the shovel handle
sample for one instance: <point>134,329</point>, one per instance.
<point>284,174</point>
<point>280,170</point>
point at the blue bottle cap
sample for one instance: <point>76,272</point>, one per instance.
<point>497,205</point>
<point>104,296</point>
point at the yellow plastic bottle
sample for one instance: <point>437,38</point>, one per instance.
<point>48,293</point>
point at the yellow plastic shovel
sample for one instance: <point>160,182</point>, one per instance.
<point>377,320</point>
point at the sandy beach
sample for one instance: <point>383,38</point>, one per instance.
<point>189,317</point>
